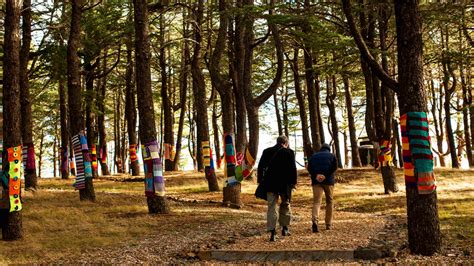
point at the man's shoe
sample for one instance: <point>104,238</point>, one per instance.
<point>315,228</point>
<point>285,231</point>
<point>328,227</point>
<point>273,235</point>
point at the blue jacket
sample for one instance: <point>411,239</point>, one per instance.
<point>325,163</point>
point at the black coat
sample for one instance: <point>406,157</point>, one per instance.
<point>281,175</point>
<point>325,163</point>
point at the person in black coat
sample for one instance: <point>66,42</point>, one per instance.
<point>322,166</point>
<point>277,171</point>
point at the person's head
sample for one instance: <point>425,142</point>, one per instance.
<point>325,147</point>
<point>283,141</point>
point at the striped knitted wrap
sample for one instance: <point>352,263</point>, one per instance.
<point>154,181</point>
<point>238,166</point>
<point>417,155</point>
<point>83,161</point>
<point>385,155</point>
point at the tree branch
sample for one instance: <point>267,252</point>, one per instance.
<point>364,50</point>
<point>259,100</point>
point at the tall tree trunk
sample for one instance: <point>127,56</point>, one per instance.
<point>90,115</point>
<point>74,93</point>
<point>308,150</point>
<point>183,91</point>
<point>448,92</point>
<point>238,68</point>
<point>311,89</point>
<point>424,235</point>
<point>156,203</point>
<point>64,129</point>
<point>217,136</point>
<point>131,111</point>
<point>11,222</point>
<point>168,134</point>
<point>437,111</point>
<point>447,110</point>
<point>383,102</point>
<point>55,148</point>
<point>352,128</point>
<point>253,103</point>
<point>318,109</point>
<point>192,135</point>
<point>40,154</point>
<point>399,150</point>
<point>307,147</point>
<point>226,89</point>
<point>31,181</point>
<point>284,105</point>
<point>330,98</point>
<point>277,113</point>
<point>101,123</point>
<point>200,103</point>
<point>467,101</point>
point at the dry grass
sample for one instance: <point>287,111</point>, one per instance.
<point>58,226</point>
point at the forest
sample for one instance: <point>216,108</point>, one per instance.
<point>156,113</point>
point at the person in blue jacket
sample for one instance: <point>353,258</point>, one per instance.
<point>322,166</point>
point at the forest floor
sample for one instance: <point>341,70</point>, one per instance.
<point>117,228</point>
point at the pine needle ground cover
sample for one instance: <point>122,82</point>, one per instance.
<point>117,228</point>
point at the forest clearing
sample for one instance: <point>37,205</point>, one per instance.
<point>140,131</point>
<point>118,229</point>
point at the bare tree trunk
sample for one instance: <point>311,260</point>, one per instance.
<point>399,150</point>
<point>330,98</point>
<point>101,122</point>
<point>352,128</point>
<point>200,103</point>
<point>467,101</point>
<point>31,181</point>
<point>40,155</point>
<point>183,91</point>
<point>64,130</point>
<point>448,92</point>
<point>437,120</point>
<point>157,203</point>
<point>55,148</point>
<point>217,136</point>
<point>131,112</point>
<point>277,113</point>
<point>90,115</point>
<point>11,219</point>
<point>284,105</point>
<point>308,149</point>
<point>311,90</point>
<point>76,126</point>
<point>168,134</point>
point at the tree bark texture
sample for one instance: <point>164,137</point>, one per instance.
<point>101,124</point>
<point>131,111</point>
<point>424,235</point>
<point>311,89</point>
<point>74,88</point>
<point>31,181</point>
<point>11,222</point>
<point>307,147</point>
<point>330,98</point>
<point>156,204</point>
<point>183,91</point>
<point>351,123</point>
<point>63,113</point>
<point>168,114</point>
<point>200,100</point>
